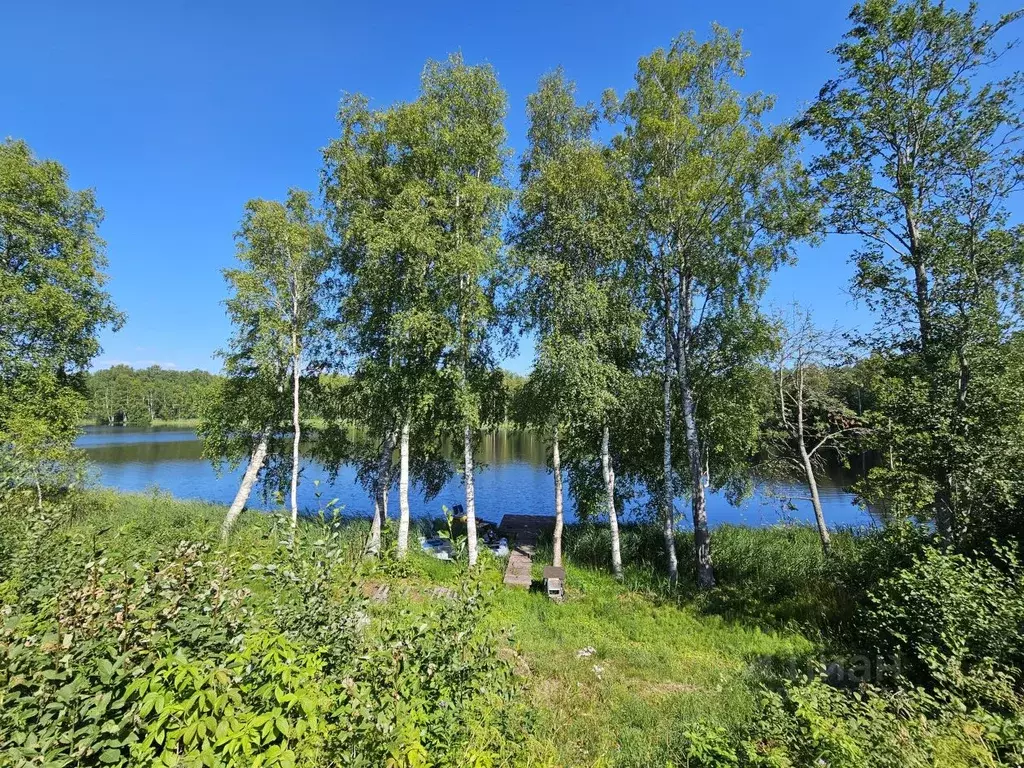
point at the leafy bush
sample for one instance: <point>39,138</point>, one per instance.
<point>862,562</point>
<point>86,632</point>
<point>117,649</point>
<point>430,689</point>
<point>813,724</point>
<point>263,705</point>
<point>956,622</point>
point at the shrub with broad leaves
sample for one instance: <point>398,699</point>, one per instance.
<point>265,656</point>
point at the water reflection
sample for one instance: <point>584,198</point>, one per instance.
<point>513,479</point>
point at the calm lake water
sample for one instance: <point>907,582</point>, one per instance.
<point>513,479</point>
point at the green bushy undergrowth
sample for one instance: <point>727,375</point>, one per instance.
<point>130,644</point>
<point>131,637</point>
<point>771,576</point>
<point>956,623</point>
<point>811,723</point>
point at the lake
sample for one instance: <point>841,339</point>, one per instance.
<point>513,478</point>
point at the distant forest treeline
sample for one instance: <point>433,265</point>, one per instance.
<point>127,396</point>
<point>140,396</point>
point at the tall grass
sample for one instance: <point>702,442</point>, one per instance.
<point>149,522</point>
<point>774,576</point>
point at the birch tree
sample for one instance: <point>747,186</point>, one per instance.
<point>720,199</point>
<point>275,306</point>
<point>556,121</point>
<point>811,421</point>
<point>379,186</point>
<point>462,108</point>
<point>921,154</point>
<point>572,243</point>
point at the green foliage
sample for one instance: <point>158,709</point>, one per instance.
<point>393,320</point>
<point>53,304</point>
<point>237,411</point>
<point>451,534</point>
<point>128,639</point>
<point>720,198</point>
<point>921,154</point>
<point>124,395</point>
<point>572,247</point>
<point>773,577</point>
<point>276,292</point>
<point>954,621</point>
<point>276,306</point>
<point>416,194</point>
<point>120,647</point>
<point>811,723</point>
<point>951,458</point>
<point>262,705</point>
<point>219,634</point>
<point>464,108</point>
<point>79,633</point>
<point>429,687</point>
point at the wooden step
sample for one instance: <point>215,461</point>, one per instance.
<point>522,532</point>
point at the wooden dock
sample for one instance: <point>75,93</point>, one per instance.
<point>522,532</point>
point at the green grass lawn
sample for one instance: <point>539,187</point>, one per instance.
<point>656,667</point>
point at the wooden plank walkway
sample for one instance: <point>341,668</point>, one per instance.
<point>522,532</point>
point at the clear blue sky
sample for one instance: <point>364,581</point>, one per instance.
<point>176,113</point>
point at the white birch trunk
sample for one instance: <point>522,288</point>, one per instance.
<point>812,482</point>
<point>819,515</point>
<point>467,478</point>
<point>380,496</point>
<point>296,362</point>
<point>701,533</point>
<point>668,503</point>
<point>613,519</point>
<point>556,466</point>
<point>373,543</point>
<point>403,491</point>
<point>259,455</point>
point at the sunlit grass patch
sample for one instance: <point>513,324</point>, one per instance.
<point>655,665</point>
